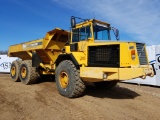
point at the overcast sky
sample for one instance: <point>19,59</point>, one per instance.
<point>24,20</point>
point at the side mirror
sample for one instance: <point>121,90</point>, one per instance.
<point>73,22</point>
<point>116,32</point>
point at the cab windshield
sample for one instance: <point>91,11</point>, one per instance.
<point>101,32</point>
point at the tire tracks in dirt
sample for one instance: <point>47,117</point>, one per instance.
<point>42,101</point>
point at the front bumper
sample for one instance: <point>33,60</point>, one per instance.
<point>96,74</point>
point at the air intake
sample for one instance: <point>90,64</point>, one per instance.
<point>142,53</point>
<point>103,56</point>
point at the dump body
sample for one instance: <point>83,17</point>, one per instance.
<point>47,48</point>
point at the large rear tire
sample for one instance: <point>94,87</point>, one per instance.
<point>106,84</point>
<point>14,70</point>
<point>68,82</point>
<point>28,74</point>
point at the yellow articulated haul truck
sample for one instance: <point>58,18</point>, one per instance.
<point>84,54</point>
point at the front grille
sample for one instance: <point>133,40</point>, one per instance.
<point>141,53</point>
<point>103,56</point>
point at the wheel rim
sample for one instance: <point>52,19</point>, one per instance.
<point>13,71</point>
<point>23,72</point>
<point>63,79</point>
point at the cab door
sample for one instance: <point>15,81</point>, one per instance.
<point>80,38</point>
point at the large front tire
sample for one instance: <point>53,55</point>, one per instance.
<point>68,82</point>
<point>28,74</point>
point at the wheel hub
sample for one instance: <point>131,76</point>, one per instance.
<point>13,71</point>
<point>63,79</point>
<point>23,72</point>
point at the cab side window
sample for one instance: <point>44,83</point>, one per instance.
<point>75,37</point>
<point>81,34</point>
<point>85,33</point>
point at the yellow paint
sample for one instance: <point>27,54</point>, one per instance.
<point>80,57</point>
<point>89,22</point>
<point>82,46</point>
<point>134,62</point>
<point>125,57</point>
<point>67,49</point>
<point>96,73</point>
<point>130,73</point>
<point>54,44</point>
<point>13,70</point>
<point>55,34</point>
<point>63,79</point>
<point>23,72</point>
<point>29,53</point>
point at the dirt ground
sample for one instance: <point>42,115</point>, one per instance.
<point>42,101</point>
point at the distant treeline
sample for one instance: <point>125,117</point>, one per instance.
<point>3,52</point>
